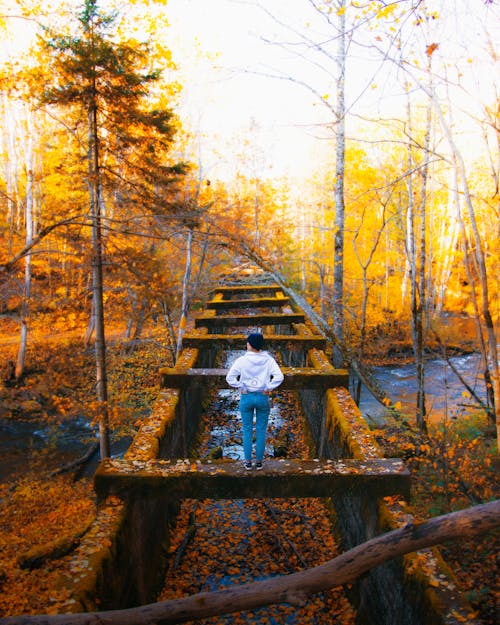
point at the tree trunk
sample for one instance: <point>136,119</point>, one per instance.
<point>294,588</point>
<point>419,291</point>
<point>11,171</point>
<point>421,303</point>
<point>366,287</point>
<point>29,227</point>
<point>97,281</point>
<point>411,255</point>
<point>338,261</point>
<point>185,293</point>
<point>89,332</point>
<point>141,315</point>
<point>449,240</point>
<point>133,306</point>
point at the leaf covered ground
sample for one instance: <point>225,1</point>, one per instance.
<point>34,512</point>
<point>36,507</point>
<point>453,468</point>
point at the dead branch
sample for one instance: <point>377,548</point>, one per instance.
<point>78,463</point>
<point>463,381</point>
<point>297,515</point>
<point>6,267</point>
<point>188,537</point>
<point>292,588</point>
<point>284,535</point>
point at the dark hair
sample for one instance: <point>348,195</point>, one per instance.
<point>256,340</point>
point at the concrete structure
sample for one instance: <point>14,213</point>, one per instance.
<point>120,562</point>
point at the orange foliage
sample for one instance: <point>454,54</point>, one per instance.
<point>35,511</point>
<point>453,468</point>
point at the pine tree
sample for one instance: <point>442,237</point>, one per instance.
<point>103,82</point>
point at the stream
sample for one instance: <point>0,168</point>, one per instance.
<point>446,397</point>
<point>23,444</point>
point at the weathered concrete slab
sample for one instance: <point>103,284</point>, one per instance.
<point>229,480</point>
<point>258,319</point>
<point>254,302</point>
<point>247,289</point>
<point>295,378</point>
<point>223,341</point>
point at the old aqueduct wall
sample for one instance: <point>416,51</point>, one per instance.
<point>121,561</point>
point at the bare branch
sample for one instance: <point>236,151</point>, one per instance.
<point>6,267</point>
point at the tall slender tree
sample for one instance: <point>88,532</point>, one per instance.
<point>340,113</point>
<point>104,81</point>
<point>29,229</point>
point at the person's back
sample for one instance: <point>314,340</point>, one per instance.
<point>255,371</point>
<point>256,374</point>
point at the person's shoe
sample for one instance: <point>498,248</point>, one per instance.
<point>248,465</point>
<point>258,465</point>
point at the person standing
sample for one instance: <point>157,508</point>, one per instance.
<point>256,374</point>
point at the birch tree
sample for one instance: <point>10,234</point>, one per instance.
<point>29,229</point>
<point>475,248</point>
<point>340,113</point>
<point>416,250</point>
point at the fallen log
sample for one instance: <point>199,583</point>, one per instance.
<point>79,463</point>
<point>39,555</point>
<point>294,588</point>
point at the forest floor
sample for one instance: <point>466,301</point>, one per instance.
<point>453,467</point>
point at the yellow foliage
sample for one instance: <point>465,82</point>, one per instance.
<point>387,11</point>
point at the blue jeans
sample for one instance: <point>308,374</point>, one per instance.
<point>257,403</point>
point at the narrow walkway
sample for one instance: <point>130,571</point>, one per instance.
<point>227,532</point>
<point>218,543</point>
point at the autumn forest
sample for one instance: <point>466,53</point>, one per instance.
<point>120,215</point>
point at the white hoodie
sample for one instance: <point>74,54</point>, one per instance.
<point>255,371</point>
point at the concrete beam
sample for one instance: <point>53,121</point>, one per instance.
<point>295,378</point>
<point>255,302</point>
<point>250,289</point>
<point>229,480</point>
<point>238,341</point>
<point>254,320</point>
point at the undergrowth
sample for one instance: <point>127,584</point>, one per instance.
<point>453,467</point>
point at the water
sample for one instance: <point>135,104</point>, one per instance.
<point>446,396</point>
<point>23,444</point>
<point>31,445</point>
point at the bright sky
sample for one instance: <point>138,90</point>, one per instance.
<point>272,125</point>
<point>224,100</point>
<point>266,120</point>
